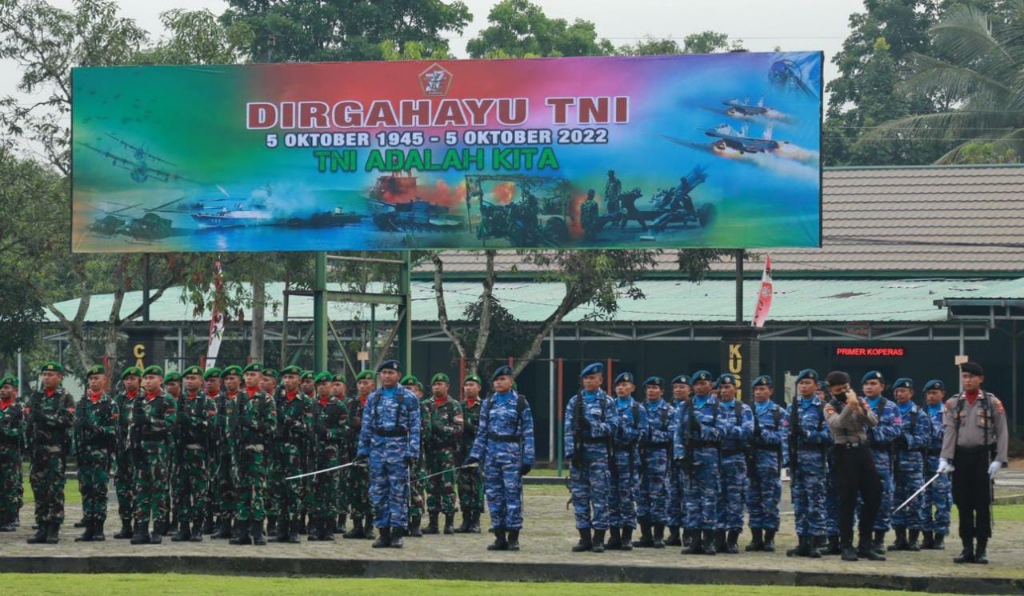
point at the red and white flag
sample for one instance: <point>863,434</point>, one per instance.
<point>216,321</point>
<point>764,296</point>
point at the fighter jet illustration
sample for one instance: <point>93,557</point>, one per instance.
<point>729,138</point>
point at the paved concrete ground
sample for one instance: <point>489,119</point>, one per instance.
<point>546,540</point>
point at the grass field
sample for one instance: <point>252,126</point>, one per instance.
<point>201,585</point>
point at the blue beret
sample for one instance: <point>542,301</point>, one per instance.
<point>807,373</point>
<point>727,379</point>
<point>593,369</point>
<point>872,375</point>
<point>934,384</point>
<point>625,377</point>
<point>685,380</point>
<point>501,371</point>
<point>762,381</point>
<point>701,375</point>
<point>903,382</point>
<point>660,382</point>
<point>389,365</point>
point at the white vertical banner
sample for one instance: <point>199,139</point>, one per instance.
<point>216,321</point>
<point>764,296</point>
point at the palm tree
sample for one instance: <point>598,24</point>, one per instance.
<point>977,74</point>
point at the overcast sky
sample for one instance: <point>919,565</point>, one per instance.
<point>761,24</point>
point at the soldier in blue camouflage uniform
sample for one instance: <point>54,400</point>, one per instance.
<point>196,416</point>
<point>807,438</point>
<point>915,435</point>
<point>96,438</point>
<point>764,464</point>
<point>471,485</point>
<point>12,435</point>
<point>256,426</point>
<point>677,478</point>
<point>591,423</point>
<point>739,424</point>
<point>329,421</point>
<point>626,472</point>
<point>358,487</point>
<point>124,475</point>
<point>444,415</point>
<point>154,415</point>
<point>882,440</point>
<point>504,443</point>
<point>655,455</point>
<point>51,414</point>
<point>698,438</point>
<point>390,441</point>
<point>938,497</point>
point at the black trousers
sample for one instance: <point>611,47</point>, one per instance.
<point>856,475</point>
<point>972,492</point>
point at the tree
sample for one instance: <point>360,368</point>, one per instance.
<point>520,29</point>
<point>981,78</point>
<point>705,42</point>
<point>332,30</point>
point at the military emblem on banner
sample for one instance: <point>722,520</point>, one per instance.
<point>435,81</point>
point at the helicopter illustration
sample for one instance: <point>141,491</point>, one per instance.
<point>145,228</point>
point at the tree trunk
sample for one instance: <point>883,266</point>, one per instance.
<point>259,304</point>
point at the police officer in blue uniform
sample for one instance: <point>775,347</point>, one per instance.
<point>700,430</point>
<point>591,423</point>
<point>881,440</point>
<point>626,471</point>
<point>938,497</point>
<point>764,465</point>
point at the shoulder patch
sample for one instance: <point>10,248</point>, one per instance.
<point>949,404</point>
<point>829,410</point>
<point>999,405</point>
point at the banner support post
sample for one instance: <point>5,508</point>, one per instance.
<point>320,312</point>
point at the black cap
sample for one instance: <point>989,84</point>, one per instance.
<point>972,368</point>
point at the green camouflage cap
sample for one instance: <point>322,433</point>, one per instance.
<point>153,369</point>
<point>291,370</point>
<point>192,370</point>
<point>324,377</point>
<point>212,373</point>
<point>440,377</point>
<point>366,374</point>
<point>95,369</point>
<point>52,367</point>
<point>232,370</point>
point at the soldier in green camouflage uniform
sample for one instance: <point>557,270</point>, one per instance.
<point>154,416</point>
<point>257,426</point>
<point>446,422</point>
<point>417,473</point>
<point>168,503</point>
<point>197,415</point>
<point>51,416</point>
<point>212,390</point>
<point>124,475</point>
<point>96,429</point>
<point>226,493</point>
<point>269,385</point>
<point>12,434</point>
<point>295,416</point>
<point>308,389</point>
<point>339,389</point>
<point>471,486</point>
<point>357,488</point>
<point>329,423</point>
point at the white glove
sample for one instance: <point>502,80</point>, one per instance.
<point>944,466</point>
<point>992,469</point>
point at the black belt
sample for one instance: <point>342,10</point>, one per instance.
<point>810,447</point>
<point>394,432</point>
<point>934,452</point>
<point>732,452</point>
<point>851,445</point>
<point>706,445</point>
<point>662,445</point>
<point>599,441</point>
<point>624,447</point>
<point>975,450</point>
<point>767,447</point>
<point>503,438</point>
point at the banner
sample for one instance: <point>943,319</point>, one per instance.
<point>718,150</point>
<point>764,295</point>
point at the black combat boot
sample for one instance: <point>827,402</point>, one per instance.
<point>967,554</point>
<point>208,524</point>
<point>396,538</point>
<point>160,528</point>
<point>432,525</point>
<point>646,538</point>
<point>928,542</point>
<point>513,540</point>
<point>720,541</point>
<point>357,529</point>
<point>126,530</point>
<point>7,523</point>
<point>414,527</point>
<point>627,538</point>
<point>659,536</point>
<point>258,539</point>
<point>912,544</point>
<point>88,534</point>
<point>693,543</point>
<point>940,542</point>
<point>272,527</point>
<point>313,530</point>
<point>756,541</point>
<point>474,524</point>
<point>769,541</point>
<point>732,542</point>
<point>449,523</point>
<point>292,532</point>
<point>302,523</point>
<point>97,531</point>
<point>500,542</point>
<point>901,540</point>
<point>812,547</point>
<point>878,544</point>
<point>584,545</point>
<point>184,533</point>
<point>598,541</point>
<point>197,532</point>
<point>866,549</point>
<point>81,524</point>
<point>243,537</point>
<point>832,548</point>
<point>40,535</point>
<point>467,516</point>
<point>385,539</point>
<point>327,532</point>
<point>849,553</point>
<point>673,537</point>
<point>981,552</point>
<point>615,542</point>
<point>708,542</point>
<point>341,527</point>
<point>141,534</point>
<point>802,549</point>
<point>368,529</point>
